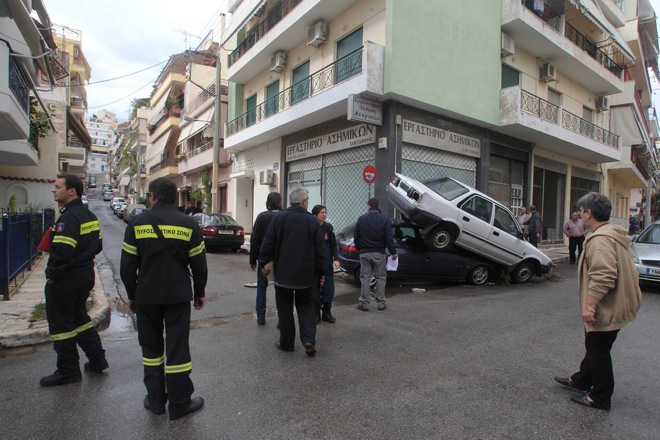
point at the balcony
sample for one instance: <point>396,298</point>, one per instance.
<point>197,159</point>
<point>631,171</point>
<point>163,169</point>
<point>286,33</point>
<point>18,152</point>
<point>535,120</point>
<point>74,151</point>
<point>320,97</point>
<point>169,118</point>
<point>550,38</point>
<point>14,98</point>
<point>613,10</point>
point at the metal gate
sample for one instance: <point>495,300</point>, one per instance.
<point>548,197</point>
<point>423,163</point>
<point>506,182</point>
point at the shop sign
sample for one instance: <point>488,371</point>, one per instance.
<point>434,137</point>
<point>364,110</point>
<point>328,143</point>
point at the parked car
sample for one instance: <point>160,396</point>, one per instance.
<point>417,262</point>
<point>220,231</point>
<point>132,210</point>
<point>84,200</point>
<point>120,209</point>
<point>92,182</point>
<point>450,212</point>
<point>108,196</point>
<point>646,254</point>
<point>114,202</point>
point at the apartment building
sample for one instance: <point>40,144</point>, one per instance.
<point>102,135</point>
<point>508,96</point>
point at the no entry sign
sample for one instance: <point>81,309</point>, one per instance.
<point>369,174</point>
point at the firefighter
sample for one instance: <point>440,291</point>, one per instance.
<point>75,241</point>
<point>159,247</point>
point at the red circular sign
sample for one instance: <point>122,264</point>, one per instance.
<point>369,174</point>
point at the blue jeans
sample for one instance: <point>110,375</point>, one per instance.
<point>262,284</point>
<point>325,294</point>
<point>373,264</point>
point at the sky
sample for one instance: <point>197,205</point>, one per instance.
<point>121,37</point>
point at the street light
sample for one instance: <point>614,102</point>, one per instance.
<point>216,120</point>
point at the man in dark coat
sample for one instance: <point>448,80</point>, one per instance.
<point>294,243</point>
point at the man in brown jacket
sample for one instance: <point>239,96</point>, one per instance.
<point>610,297</point>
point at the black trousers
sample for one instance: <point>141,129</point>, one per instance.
<point>596,367</point>
<point>304,301</point>
<point>575,243</point>
<point>172,381</point>
<point>68,322</point>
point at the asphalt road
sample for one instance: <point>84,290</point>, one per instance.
<point>453,362</point>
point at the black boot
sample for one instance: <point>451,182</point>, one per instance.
<point>318,313</point>
<point>327,313</point>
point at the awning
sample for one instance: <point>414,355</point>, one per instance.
<point>624,123</point>
<point>126,171</point>
<point>590,9</point>
<point>201,121</point>
<point>125,180</point>
<point>245,174</point>
<point>157,109</point>
<point>158,147</point>
<point>78,128</point>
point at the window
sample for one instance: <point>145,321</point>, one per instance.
<point>479,207</point>
<point>272,101</point>
<point>300,81</point>
<point>510,77</point>
<point>505,222</point>
<point>349,57</point>
<point>554,97</point>
<point>251,105</point>
<point>586,127</point>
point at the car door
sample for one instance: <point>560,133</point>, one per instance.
<point>410,248</point>
<point>474,218</point>
<point>504,244</point>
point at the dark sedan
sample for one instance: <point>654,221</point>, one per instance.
<point>220,231</point>
<point>417,263</point>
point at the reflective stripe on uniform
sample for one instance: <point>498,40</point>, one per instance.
<point>71,334</point>
<point>129,249</point>
<point>65,240</point>
<point>197,250</point>
<point>169,231</point>
<point>153,362</point>
<point>89,227</point>
<point>170,369</point>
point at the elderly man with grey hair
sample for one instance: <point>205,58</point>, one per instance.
<point>294,243</point>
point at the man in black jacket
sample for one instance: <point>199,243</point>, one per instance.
<point>373,234</point>
<point>154,269</point>
<point>75,241</point>
<point>273,206</point>
<point>294,243</point>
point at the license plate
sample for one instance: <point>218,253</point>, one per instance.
<point>224,231</point>
<point>653,271</point>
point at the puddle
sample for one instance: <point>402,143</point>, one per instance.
<point>121,319</point>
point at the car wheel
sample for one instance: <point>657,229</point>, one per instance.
<point>479,276</point>
<point>523,272</point>
<point>439,238</point>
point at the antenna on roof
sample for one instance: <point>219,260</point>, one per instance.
<point>187,38</point>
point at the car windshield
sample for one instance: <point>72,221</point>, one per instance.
<point>446,187</point>
<point>220,219</point>
<point>651,235</point>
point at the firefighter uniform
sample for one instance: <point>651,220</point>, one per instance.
<point>75,241</point>
<point>157,279</point>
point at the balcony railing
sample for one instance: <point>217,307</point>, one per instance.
<point>18,84</point>
<point>155,168</point>
<point>575,123</point>
<point>539,107</point>
<point>590,48</point>
<point>550,112</point>
<point>194,152</point>
<point>550,17</point>
<point>204,96</point>
<point>337,72</point>
<point>276,14</point>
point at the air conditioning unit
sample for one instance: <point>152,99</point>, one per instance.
<point>267,177</point>
<point>65,167</point>
<point>508,45</point>
<point>317,34</point>
<point>603,103</point>
<point>548,72</point>
<point>278,61</point>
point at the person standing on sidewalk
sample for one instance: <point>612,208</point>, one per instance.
<point>610,297</point>
<point>75,241</point>
<point>294,243</point>
<point>323,295</point>
<point>159,247</point>
<point>574,230</point>
<point>261,223</point>
<point>372,237</point>
<point>534,226</point>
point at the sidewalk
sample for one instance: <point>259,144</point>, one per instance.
<point>16,330</point>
